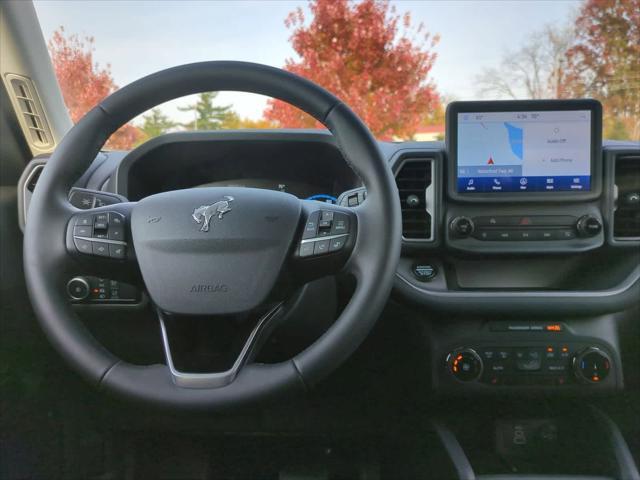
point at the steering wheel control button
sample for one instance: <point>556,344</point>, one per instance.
<point>311,227</point>
<point>83,246</point>
<point>461,227</point>
<point>425,272</point>
<point>320,247</point>
<point>101,221</point>
<point>340,224</point>
<point>116,232</point>
<point>82,231</point>
<point>336,244</point>
<point>117,252</point>
<point>465,365</point>
<point>592,365</point>
<point>78,288</point>
<point>85,219</point>
<point>101,249</point>
<point>306,249</point>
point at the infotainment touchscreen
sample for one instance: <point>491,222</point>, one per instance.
<point>523,151</point>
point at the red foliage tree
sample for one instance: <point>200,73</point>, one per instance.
<point>84,83</point>
<point>370,57</point>
<point>604,62</point>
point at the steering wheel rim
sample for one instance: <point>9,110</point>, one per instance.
<point>377,242</point>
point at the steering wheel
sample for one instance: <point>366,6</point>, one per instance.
<point>212,252</point>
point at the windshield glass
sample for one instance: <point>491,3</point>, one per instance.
<point>397,64</point>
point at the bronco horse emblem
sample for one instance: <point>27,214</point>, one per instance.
<point>204,213</point>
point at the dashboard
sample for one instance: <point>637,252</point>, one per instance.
<point>521,233</point>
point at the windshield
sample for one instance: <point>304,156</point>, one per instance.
<point>397,64</point>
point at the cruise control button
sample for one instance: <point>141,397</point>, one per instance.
<point>311,228</point>
<point>101,249</point>
<point>83,246</point>
<point>82,231</point>
<point>117,251</point>
<point>337,243</point>
<point>340,224</point>
<point>306,249</point>
<point>320,247</point>
<point>116,218</point>
<point>116,232</point>
<point>326,216</point>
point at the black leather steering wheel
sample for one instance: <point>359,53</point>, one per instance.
<point>212,251</point>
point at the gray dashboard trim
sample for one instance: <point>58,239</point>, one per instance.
<point>586,302</point>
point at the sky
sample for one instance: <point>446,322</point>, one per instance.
<point>137,38</point>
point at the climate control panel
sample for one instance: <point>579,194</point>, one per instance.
<point>548,364</point>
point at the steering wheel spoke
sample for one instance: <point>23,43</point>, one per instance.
<point>100,240</point>
<point>255,334</point>
<point>326,241</point>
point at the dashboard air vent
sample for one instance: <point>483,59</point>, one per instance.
<point>33,119</point>
<point>414,180</point>
<point>626,218</point>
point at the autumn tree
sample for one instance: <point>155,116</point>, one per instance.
<point>369,56</point>
<point>604,62</point>
<point>84,83</point>
<point>233,121</point>
<point>535,70</point>
<point>156,123</point>
<point>208,116</point>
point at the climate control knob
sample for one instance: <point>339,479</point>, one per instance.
<point>592,365</point>
<point>461,227</point>
<point>588,226</point>
<point>465,364</point>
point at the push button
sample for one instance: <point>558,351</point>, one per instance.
<point>83,246</point>
<point>101,249</point>
<point>320,247</point>
<point>82,231</point>
<point>340,224</point>
<point>116,232</point>
<point>101,221</point>
<point>117,252</point>
<point>85,219</point>
<point>311,227</point>
<point>337,244</point>
<point>528,360</point>
<point>306,249</point>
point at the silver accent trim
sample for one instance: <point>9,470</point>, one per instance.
<point>328,237</point>
<point>25,204</point>
<point>103,240</point>
<point>216,379</point>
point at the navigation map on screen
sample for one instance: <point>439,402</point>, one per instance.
<point>524,151</point>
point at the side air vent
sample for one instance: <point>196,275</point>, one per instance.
<point>626,218</point>
<point>29,109</point>
<point>415,185</point>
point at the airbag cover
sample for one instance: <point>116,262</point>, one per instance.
<point>213,251</point>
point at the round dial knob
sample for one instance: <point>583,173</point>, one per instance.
<point>588,226</point>
<point>465,364</point>
<point>78,288</point>
<point>592,365</point>
<point>461,227</point>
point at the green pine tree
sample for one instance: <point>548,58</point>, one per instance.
<point>207,115</point>
<point>156,123</point>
